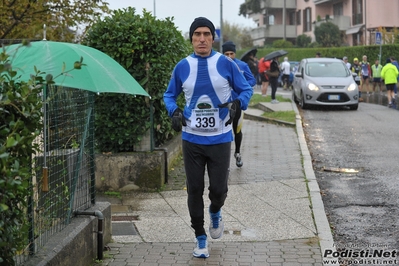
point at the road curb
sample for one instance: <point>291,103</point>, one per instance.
<point>322,225</point>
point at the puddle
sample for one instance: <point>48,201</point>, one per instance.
<point>377,98</point>
<point>341,170</point>
<point>246,232</point>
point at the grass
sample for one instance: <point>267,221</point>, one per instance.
<point>257,98</point>
<point>113,194</point>
<point>288,116</point>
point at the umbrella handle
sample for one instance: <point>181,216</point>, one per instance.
<point>45,180</point>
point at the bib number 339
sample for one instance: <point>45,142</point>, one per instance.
<point>205,119</point>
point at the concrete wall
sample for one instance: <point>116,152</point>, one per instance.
<point>77,243</point>
<point>122,172</point>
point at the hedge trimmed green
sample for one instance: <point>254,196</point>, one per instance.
<point>372,52</point>
<point>149,49</point>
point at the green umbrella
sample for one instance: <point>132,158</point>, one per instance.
<point>100,73</point>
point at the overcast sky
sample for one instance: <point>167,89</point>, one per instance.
<point>184,11</point>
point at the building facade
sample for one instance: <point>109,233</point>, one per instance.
<point>358,20</point>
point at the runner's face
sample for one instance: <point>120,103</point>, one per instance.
<point>202,41</point>
<point>230,54</point>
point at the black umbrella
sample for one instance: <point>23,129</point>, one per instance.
<point>246,55</point>
<point>274,54</point>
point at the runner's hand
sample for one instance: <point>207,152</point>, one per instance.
<point>178,120</point>
<point>233,107</point>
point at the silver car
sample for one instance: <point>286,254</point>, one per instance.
<point>325,81</point>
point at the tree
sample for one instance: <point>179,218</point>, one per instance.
<point>237,34</point>
<point>148,48</point>
<point>303,41</point>
<point>250,6</point>
<point>328,35</point>
<point>24,19</point>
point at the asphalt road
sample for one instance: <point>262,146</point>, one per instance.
<point>355,157</point>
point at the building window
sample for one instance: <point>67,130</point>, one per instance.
<point>338,9</point>
<point>298,17</point>
<point>307,20</point>
<point>291,18</point>
<point>271,20</point>
<point>357,16</point>
<point>357,39</point>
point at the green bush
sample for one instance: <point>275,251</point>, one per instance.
<point>328,35</point>
<point>282,44</point>
<point>20,126</point>
<point>303,41</point>
<point>147,48</point>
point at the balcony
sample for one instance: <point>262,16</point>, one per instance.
<point>289,4</point>
<point>273,31</point>
<point>317,2</point>
<point>343,22</point>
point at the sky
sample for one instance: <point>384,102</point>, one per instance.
<point>185,11</point>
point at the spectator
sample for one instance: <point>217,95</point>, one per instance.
<point>348,65</point>
<point>263,66</point>
<point>389,74</point>
<point>395,63</point>
<point>274,67</point>
<point>376,73</point>
<point>286,70</point>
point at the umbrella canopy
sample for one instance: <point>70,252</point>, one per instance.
<point>100,73</point>
<point>246,55</point>
<point>274,54</point>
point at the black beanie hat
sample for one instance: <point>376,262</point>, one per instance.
<point>388,60</point>
<point>201,22</point>
<point>228,46</point>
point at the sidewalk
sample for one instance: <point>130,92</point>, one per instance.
<point>273,215</point>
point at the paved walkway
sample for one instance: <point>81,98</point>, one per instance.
<point>273,215</point>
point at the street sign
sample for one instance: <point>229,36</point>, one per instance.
<point>378,38</point>
<point>217,35</point>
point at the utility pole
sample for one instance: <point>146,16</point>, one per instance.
<point>221,26</point>
<point>155,8</point>
<point>285,21</point>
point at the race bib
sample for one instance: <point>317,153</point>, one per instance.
<point>205,119</point>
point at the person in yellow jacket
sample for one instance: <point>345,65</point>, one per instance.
<point>376,73</point>
<point>390,74</point>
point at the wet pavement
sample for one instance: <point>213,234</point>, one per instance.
<point>379,98</point>
<point>273,215</point>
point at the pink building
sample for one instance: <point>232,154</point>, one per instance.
<point>358,20</point>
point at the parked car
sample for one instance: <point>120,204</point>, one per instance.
<point>293,67</point>
<point>324,81</point>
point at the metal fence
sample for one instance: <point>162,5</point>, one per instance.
<point>63,179</point>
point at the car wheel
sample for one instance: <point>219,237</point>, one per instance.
<point>302,103</point>
<point>294,97</point>
<point>353,106</point>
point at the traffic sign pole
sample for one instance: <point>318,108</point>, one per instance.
<point>378,40</point>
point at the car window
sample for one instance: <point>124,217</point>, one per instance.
<point>326,69</point>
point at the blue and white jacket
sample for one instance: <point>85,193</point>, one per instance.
<point>206,83</point>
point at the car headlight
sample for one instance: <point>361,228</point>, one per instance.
<point>312,87</point>
<point>352,87</point>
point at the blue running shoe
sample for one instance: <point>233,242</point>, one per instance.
<point>201,249</point>
<point>216,226</point>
